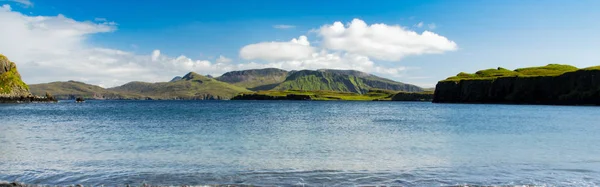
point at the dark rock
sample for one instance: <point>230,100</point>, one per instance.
<point>573,88</point>
<point>79,99</point>
<point>413,96</point>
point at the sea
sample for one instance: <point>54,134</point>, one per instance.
<point>298,143</point>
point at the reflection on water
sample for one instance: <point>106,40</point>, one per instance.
<point>288,143</point>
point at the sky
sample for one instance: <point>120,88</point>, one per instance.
<point>109,43</point>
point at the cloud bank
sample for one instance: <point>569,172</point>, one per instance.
<point>54,48</point>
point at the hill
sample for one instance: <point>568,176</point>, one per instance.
<point>255,79</point>
<point>73,89</point>
<point>190,86</point>
<point>11,84</point>
<point>341,81</point>
<point>551,84</point>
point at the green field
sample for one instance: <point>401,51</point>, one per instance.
<point>548,70</point>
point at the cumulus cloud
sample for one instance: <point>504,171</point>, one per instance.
<point>284,26</point>
<point>25,3</point>
<point>338,60</point>
<point>223,59</point>
<point>295,49</point>
<point>54,48</point>
<point>381,41</point>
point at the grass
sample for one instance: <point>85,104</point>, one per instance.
<point>10,79</point>
<point>548,70</point>
<point>340,81</point>
<point>189,87</point>
<point>323,95</point>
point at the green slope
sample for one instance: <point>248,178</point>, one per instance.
<point>341,81</point>
<point>548,70</point>
<point>74,89</point>
<point>11,84</point>
<point>255,79</point>
<point>190,86</point>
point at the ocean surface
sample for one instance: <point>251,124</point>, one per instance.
<point>298,143</point>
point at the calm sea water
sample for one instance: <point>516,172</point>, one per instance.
<point>298,143</point>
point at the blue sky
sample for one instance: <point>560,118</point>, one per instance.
<point>487,34</point>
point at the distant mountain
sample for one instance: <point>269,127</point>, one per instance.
<point>341,80</point>
<point>255,79</point>
<point>195,86</point>
<point>190,86</point>
<point>74,89</point>
<point>175,79</point>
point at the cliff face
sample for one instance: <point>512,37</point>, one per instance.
<point>580,87</point>
<point>11,85</point>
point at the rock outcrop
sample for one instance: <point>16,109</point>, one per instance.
<point>12,88</point>
<point>413,96</point>
<point>11,84</point>
<point>581,87</point>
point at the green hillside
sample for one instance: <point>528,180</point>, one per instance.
<point>255,79</point>
<point>341,81</point>
<point>74,89</point>
<point>319,95</point>
<point>11,84</point>
<point>190,86</point>
<point>548,70</point>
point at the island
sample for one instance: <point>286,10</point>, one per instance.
<point>553,84</point>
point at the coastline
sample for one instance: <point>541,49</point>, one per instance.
<point>28,99</point>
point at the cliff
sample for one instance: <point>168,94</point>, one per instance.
<point>571,87</point>
<point>12,88</point>
<point>11,84</point>
<point>413,96</point>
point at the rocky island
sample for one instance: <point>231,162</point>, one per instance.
<point>553,84</point>
<point>12,88</point>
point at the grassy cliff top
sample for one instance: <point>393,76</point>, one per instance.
<point>548,70</point>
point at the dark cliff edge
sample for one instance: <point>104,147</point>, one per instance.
<point>413,96</point>
<point>581,87</point>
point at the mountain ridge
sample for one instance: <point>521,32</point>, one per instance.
<point>193,86</point>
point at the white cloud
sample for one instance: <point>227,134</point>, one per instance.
<point>295,49</point>
<point>155,55</point>
<point>343,61</point>
<point>223,59</point>
<point>432,26</point>
<point>284,26</point>
<point>419,25</point>
<point>25,3</point>
<point>54,48</point>
<point>381,41</point>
